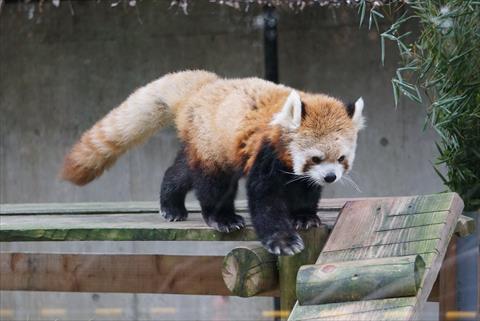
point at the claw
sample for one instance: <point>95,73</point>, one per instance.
<point>228,224</point>
<point>304,223</point>
<point>284,243</point>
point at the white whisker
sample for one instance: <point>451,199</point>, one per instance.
<point>291,173</point>
<point>352,182</point>
<point>296,179</point>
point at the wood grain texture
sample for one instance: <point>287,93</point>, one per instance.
<point>120,222</point>
<point>288,266</point>
<point>113,227</point>
<point>250,269</point>
<point>448,282</point>
<point>128,207</point>
<point>141,221</point>
<point>382,278</point>
<point>112,273</point>
<point>392,227</point>
<point>351,310</point>
<point>465,226</point>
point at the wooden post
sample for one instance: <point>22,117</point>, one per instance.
<point>314,240</point>
<point>358,280</point>
<point>447,282</point>
<point>250,269</point>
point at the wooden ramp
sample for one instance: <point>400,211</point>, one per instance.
<point>377,235</point>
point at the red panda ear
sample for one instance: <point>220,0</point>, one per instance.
<point>355,112</point>
<point>350,109</point>
<point>290,117</point>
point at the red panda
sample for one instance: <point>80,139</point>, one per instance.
<point>288,143</point>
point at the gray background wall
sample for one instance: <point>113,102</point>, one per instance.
<point>60,72</point>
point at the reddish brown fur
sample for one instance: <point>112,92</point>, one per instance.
<point>256,130</point>
<point>223,123</point>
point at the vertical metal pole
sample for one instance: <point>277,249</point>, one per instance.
<point>270,21</point>
<point>270,48</point>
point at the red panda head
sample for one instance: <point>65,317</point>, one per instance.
<point>321,133</point>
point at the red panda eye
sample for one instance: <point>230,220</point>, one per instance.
<point>316,160</point>
<point>341,159</point>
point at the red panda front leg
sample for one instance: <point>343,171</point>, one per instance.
<point>266,189</point>
<point>216,193</point>
<point>302,200</point>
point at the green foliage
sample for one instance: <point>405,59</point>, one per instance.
<point>443,62</point>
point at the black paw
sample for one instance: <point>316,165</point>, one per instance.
<point>226,224</point>
<point>284,243</point>
<point>305,222</point>
<point>174,215</point>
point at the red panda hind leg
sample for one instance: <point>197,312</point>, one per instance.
<point>216,193</point>
<point>177,182</point>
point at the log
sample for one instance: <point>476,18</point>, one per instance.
<point>382,278</point>
<point>249,270</point>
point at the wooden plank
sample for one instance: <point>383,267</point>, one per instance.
<point>128,207</point>
<point>115,221</point>
<point>448,282</point>
<point>378,251</point>
<point>407,234</point>
<point>112,227</point>
<point>79,208</point>
<point>327,311</point>
<point>114,273</point>
<point>393,314</point>
<point>413,220</point>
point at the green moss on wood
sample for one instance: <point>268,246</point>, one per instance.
<point>359,280</point>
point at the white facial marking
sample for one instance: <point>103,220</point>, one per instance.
<point>300,157</point>
<point>320,171</point>
<point>290,116</point>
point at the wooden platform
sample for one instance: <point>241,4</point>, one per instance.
<point>121,222</point>
<point>130,273</point>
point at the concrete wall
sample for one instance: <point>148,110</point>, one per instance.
<point>60,72</point>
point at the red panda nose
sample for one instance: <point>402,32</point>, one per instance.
<point>330,177</point>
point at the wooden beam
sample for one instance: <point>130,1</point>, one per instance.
<point>465,226</point>
<point>113,273</point>
<point>314,240</point>
<point>447,282</point>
